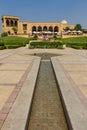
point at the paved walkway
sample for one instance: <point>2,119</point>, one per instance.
<point>14,67</point>
<point>71,73</point>
<point>16,64</point>
<point>74,64</point>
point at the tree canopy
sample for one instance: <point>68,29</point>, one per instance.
<point>78,27</point>
<point>66,28</point>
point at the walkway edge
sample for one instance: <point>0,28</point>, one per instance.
<point>18,116</point>
<point>75,113</point>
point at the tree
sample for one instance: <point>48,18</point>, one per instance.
<point>66,29</point>
<point>15,30</point>
<point>78,27</point>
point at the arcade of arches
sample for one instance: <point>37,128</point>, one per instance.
<point>45,28</point>
<point>31,28</point>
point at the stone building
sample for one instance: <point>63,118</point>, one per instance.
<point>13,26</point>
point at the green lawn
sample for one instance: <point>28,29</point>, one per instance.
<point>13,41</point>
<point>77,42</point>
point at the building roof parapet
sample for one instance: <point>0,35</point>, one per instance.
<point>10,16</point>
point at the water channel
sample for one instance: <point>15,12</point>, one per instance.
<point>46,111</point>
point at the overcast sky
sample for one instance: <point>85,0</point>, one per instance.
<point>74,11</point>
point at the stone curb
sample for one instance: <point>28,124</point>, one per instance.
<point>18,116</point>
<point>75,113</point>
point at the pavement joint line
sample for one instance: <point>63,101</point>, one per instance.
<point>77,71</point>
<point>11,70</point>
<point>7,84</point>
<point>76,118</point>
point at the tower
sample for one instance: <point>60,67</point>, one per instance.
<point>10,22</point>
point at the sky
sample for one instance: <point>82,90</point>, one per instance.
<point>74,11</point>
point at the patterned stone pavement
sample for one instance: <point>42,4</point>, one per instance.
<point>13,71</point>
<point>15,64</point>
<point>74,64</point>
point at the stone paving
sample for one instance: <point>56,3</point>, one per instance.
<point>13,71</point>
<point>15,64</point>
<point>74,64</point>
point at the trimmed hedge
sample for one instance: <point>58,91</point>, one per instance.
<point>45,45</point>
<point>1,43</point>
<point>13,46</point>
<point>2,46</point>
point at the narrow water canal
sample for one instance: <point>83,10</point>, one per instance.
<point>46,112</point>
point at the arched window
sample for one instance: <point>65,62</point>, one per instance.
<point>45,28</point>
<point>12,23</point>
<point>7,23</point>
<point>56,29</point>
<point>39,29</point>
<point>51,28</point>
<point>34,28</point>
<point>15,23</point>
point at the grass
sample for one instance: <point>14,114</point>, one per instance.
<point>13,41</point>
<point>77,42</point>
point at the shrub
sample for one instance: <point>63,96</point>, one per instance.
<point>35,37</point>
<point>15,29</point>
<point>2,47</point>
<point>4,34</point>
<point>31,47</point>
<point>77,47</point>
<point>12,46</point>
<point>60,47</point>
<point>55,37</point>
<point>1,43</point>
<point>45,44</point>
